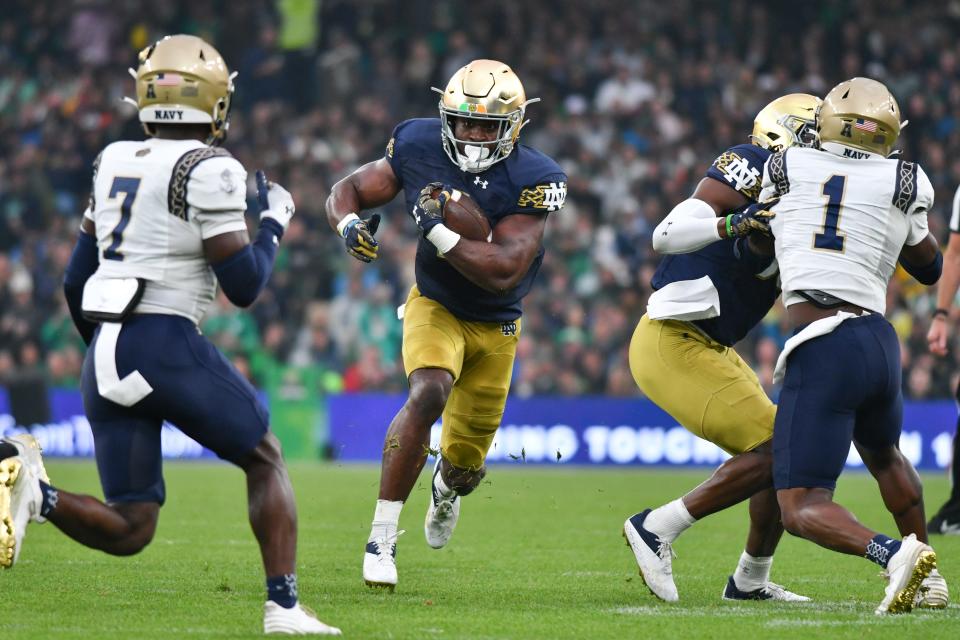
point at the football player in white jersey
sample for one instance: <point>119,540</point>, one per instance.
<point>166,224</point>
<point>847,212</point>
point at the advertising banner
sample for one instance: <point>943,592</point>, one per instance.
<point>605,431</point>
<point>554,430</point>
<point>68,433</point>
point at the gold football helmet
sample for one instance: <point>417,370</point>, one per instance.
<point>860,113</point>
<point>183,80</point>
<point>789,120</point>
<point>488,90</point>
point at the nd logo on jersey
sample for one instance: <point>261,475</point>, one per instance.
<point>544,196</point>
<point>740,174</point>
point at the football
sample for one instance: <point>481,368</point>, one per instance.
<point>462,215</point>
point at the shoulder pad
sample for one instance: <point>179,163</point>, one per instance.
<point>741,168</point>
<point>540,182</point>
<point>415,132</point>
<point>913,187</point>
<point>219,184</point>
<point>528,165</point>
<point>777,167</point>
<point>177,190</point>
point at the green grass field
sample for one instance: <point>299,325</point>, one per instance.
<point>538,554</point>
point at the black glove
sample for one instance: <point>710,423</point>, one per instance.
<point>753,219</point>
<point>358,236</point>
<point>428,211</point>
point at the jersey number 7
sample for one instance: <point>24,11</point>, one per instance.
<point>128,187</point>
<point>829,239</point>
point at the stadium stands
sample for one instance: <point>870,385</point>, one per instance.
<point>635,104</point>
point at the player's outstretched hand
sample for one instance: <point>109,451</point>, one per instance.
<point>275,201</point>
<point>937,335</point>
<point>428,211</point>
<point>358,236</point>
<point>754,219</point>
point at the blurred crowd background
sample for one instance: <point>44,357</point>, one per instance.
<point>638,98</point>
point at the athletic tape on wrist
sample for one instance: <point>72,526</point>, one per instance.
<point>443,238</point>
<point>343,224</point>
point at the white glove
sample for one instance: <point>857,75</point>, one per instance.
<point>275,201</point>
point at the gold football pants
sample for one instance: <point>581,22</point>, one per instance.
<point>479,356</point>
<point>703,384</point>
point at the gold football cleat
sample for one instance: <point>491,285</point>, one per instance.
<point>9,472</point>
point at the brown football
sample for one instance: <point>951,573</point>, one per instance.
<point>463,215</point>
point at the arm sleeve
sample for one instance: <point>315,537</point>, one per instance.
<point>925,274</point>
<point>217,195</point>
<point>83,263</point>
<point>691,225</point>
<point>243,275</point>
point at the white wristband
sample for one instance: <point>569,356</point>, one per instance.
<point>443,238</point>
<point>342,225</point>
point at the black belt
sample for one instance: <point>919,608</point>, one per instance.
<point>821,299</point>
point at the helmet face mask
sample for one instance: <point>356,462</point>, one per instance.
<point>183,80</point>
<point>474,156</point>
<point>859,113</point>
<point>484,90</point>
<point>787,121</point>
<point>804,132</point>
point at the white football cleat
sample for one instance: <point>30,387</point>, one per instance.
<point>379,562</point>
<point>20,500</point>
<point>296,621</point>
<point>906,570</point>
<point>933,593</point>
<point>442,514</point>
<point>30,454</point>
<point>769,591</point>
<point>654,557</point>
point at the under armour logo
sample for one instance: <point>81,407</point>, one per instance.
<point>53,497</point>
<point>289,209</point>
<point>483,183</point>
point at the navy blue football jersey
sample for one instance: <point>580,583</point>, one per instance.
<point>746,291</point>
<point>527,181</point>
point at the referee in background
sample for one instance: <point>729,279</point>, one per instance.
<point>947,519</point>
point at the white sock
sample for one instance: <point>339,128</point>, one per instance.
<point>752,573</point>
<point>669,521</point>
<point>386,518</point>
<point>442,487</point>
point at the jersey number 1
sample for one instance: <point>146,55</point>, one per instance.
<point>128,187</point>
<point>828,238</point>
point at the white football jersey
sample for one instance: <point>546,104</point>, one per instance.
<point>842,221</point>
<point>153,203</point>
